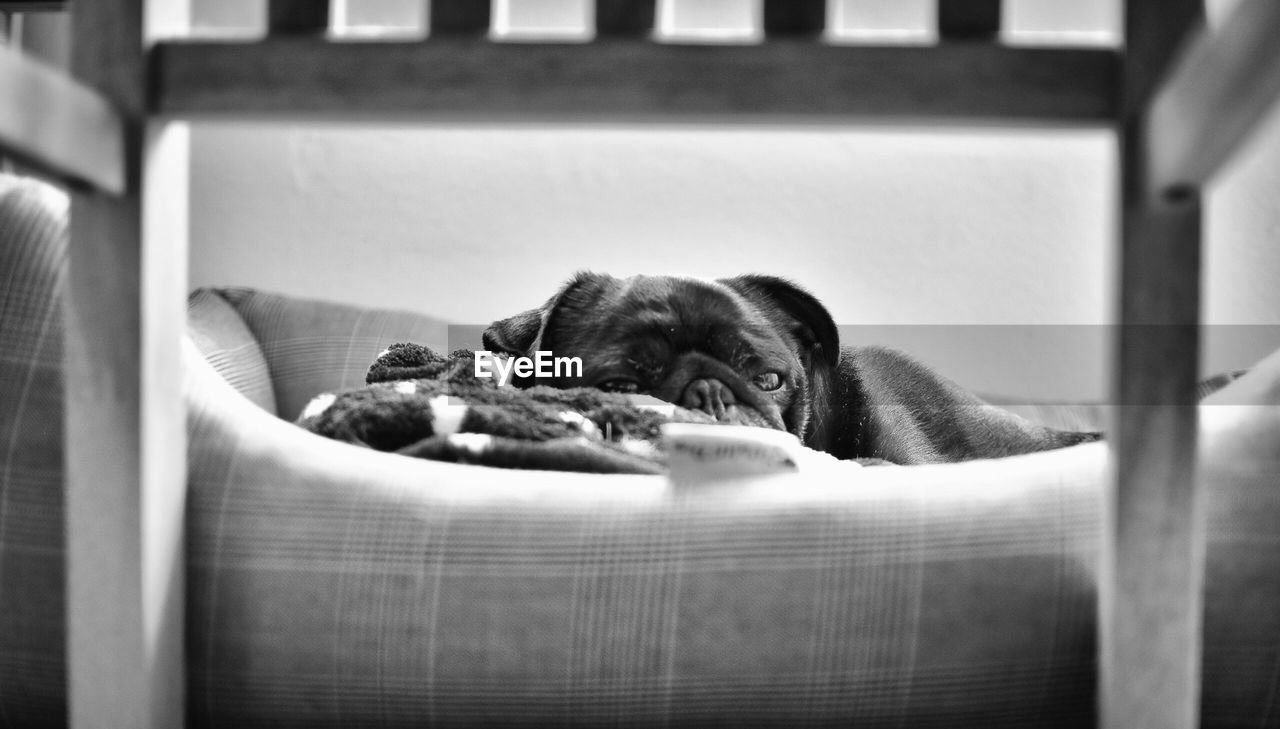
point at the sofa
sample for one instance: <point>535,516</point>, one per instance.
<point>332,585</point>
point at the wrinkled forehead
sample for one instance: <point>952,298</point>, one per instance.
<point>688,312</point>
<point>682,298</point>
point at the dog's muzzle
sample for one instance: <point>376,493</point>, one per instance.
<point>718,400</point>
<point>712,397</point>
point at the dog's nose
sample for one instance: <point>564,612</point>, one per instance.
<point>710,396</point>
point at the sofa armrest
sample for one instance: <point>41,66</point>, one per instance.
<point>227,344</point>
<point>314,346</point>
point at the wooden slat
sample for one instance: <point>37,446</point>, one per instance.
<point>297,17</point>
<point>32,6</point>
<point>968,19</point>
<point>57,125</point>
<point>1218,92</point>
<point>47,37</point>
<point>625,17</point>
<point>1155,30</point>
<point>125,428</point>
<point>621,78</point>
<point>460,17</point>
<point>1152,557</point>
<point>795,17</point>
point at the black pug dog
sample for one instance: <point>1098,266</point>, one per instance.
<point>759,350</point>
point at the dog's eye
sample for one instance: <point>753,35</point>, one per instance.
<point>622,385</point>
<point>768,381</point>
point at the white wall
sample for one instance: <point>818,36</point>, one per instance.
<point>914,230</point>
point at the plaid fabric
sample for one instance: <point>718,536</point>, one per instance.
<point>1241,663</point>
<point>318,346</point>
<point>331,585</point>
<point>224,340</point>
<point>33,244</point>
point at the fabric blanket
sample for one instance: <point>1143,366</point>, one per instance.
<point>419,403</point>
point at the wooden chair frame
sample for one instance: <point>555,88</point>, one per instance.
<point>1179,97</point>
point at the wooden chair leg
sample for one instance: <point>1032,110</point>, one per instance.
<point>125,317</point>
<point>1152,556</point>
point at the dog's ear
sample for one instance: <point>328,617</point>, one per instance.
<point>811,323</point>
<point>799,312</point>
<point>522,334</point>
<point>514,335</point>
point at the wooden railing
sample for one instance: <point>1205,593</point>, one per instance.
<point>55,123</point>
<point>32,6</point>
<point>1181,99</point>
<point>629,71</point>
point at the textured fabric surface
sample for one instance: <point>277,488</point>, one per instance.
<point>334,585</point>
<point>959,595</point>
<point>318,346</point>
<point>224,340</point>
<point>33,244</point>
<point>423,404</point>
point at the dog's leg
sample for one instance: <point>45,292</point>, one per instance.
<point>910,414</point>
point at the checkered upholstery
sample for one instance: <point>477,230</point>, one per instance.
<point>341,585</point>
<point>317,346</point>
<point>223,339</point>
<point>330,585</point>
<point>33,245</point>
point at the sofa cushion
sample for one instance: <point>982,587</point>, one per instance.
<point>319,346</point>
<point>222,337</point>
<point>33,245</point>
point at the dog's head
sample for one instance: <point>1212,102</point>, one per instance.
<point>753,349</point>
